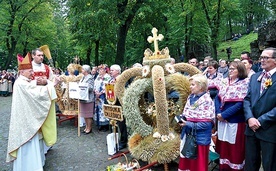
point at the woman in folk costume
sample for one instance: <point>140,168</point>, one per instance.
<point>214,77</point>
<point>200,113</point>
<point>99,88</point>
<point>33,120</point>
<point>87,106</point>
<point>231,122</point>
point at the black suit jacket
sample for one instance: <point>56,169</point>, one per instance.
<point>263,107</point>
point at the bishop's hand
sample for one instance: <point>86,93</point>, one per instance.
<point>41,81</point>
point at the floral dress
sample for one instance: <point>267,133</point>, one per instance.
<point>99,86</point>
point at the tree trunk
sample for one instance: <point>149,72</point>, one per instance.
<point>8,61</point>
<point>188,31</point>
<point>230,27</point>
<point>121,43</point>
<point>250,16</point>
<point>88,54</point>
<point>97,46</point>
<point>214,24</point>
<point>186,40</point>
<point>10,40</point>
<point>214,51</point>
<point>123,29</point>
<point>250,23</point>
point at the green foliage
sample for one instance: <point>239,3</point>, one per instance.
<point>233,19</point>
<point>89,29</point>
<point>238,46</point>
<point>143,22</point>
<point>25,25</point>
<point>91,22</point>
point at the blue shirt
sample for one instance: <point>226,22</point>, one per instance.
<point>194,97</point>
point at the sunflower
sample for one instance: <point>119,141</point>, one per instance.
<point>268,83</point>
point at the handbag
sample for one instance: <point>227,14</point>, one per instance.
<point>190,147</point>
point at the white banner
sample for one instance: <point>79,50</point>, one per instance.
<point>83,91</point>
<point>73,90</point>
<point>78,91</point>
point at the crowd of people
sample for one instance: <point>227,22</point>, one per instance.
<point>7,79</point>
<point>243,116</point>
<point>35,86</point>
<point>229,98</point>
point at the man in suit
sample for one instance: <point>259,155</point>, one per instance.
<point>115,71</point>
<point>260,115</point>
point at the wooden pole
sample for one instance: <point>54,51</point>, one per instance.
<point>166,167</point>
<point>115,136</point>
<point>78,117</point>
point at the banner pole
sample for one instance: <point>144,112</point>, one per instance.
<point>78,117</point>
<point>115,136</point>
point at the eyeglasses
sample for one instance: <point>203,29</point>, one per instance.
<point>265,58</point>
<point>232,69</point>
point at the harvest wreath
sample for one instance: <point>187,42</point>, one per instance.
<point>157,142</point>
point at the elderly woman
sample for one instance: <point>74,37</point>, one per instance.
<point>87,106</point>
<point>99,88</point>
<point>199,112</point>
<point>231,122</point>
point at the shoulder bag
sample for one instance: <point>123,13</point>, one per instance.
<point>190,147</point>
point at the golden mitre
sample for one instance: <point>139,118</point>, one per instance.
<point>24,63</point>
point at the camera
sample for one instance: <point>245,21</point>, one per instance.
<point>180,118</point>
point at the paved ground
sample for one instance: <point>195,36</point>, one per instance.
<point>70,153</point>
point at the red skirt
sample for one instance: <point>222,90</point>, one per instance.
<point>199,164</point>
<point>232,156</point>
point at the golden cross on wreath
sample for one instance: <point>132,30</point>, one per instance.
<point>155,39</point>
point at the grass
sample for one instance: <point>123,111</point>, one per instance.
<point>238,46</point>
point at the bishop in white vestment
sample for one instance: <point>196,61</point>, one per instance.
<point>32,120</point>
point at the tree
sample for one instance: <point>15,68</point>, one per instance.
<point>93,26</point>
<point>21,26</point>
<point>187,31</point>
<point>255,12</point>
<point>145,19</point>
<point>213,18</point>
<point>116,31</point>
<point>126,14</point>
